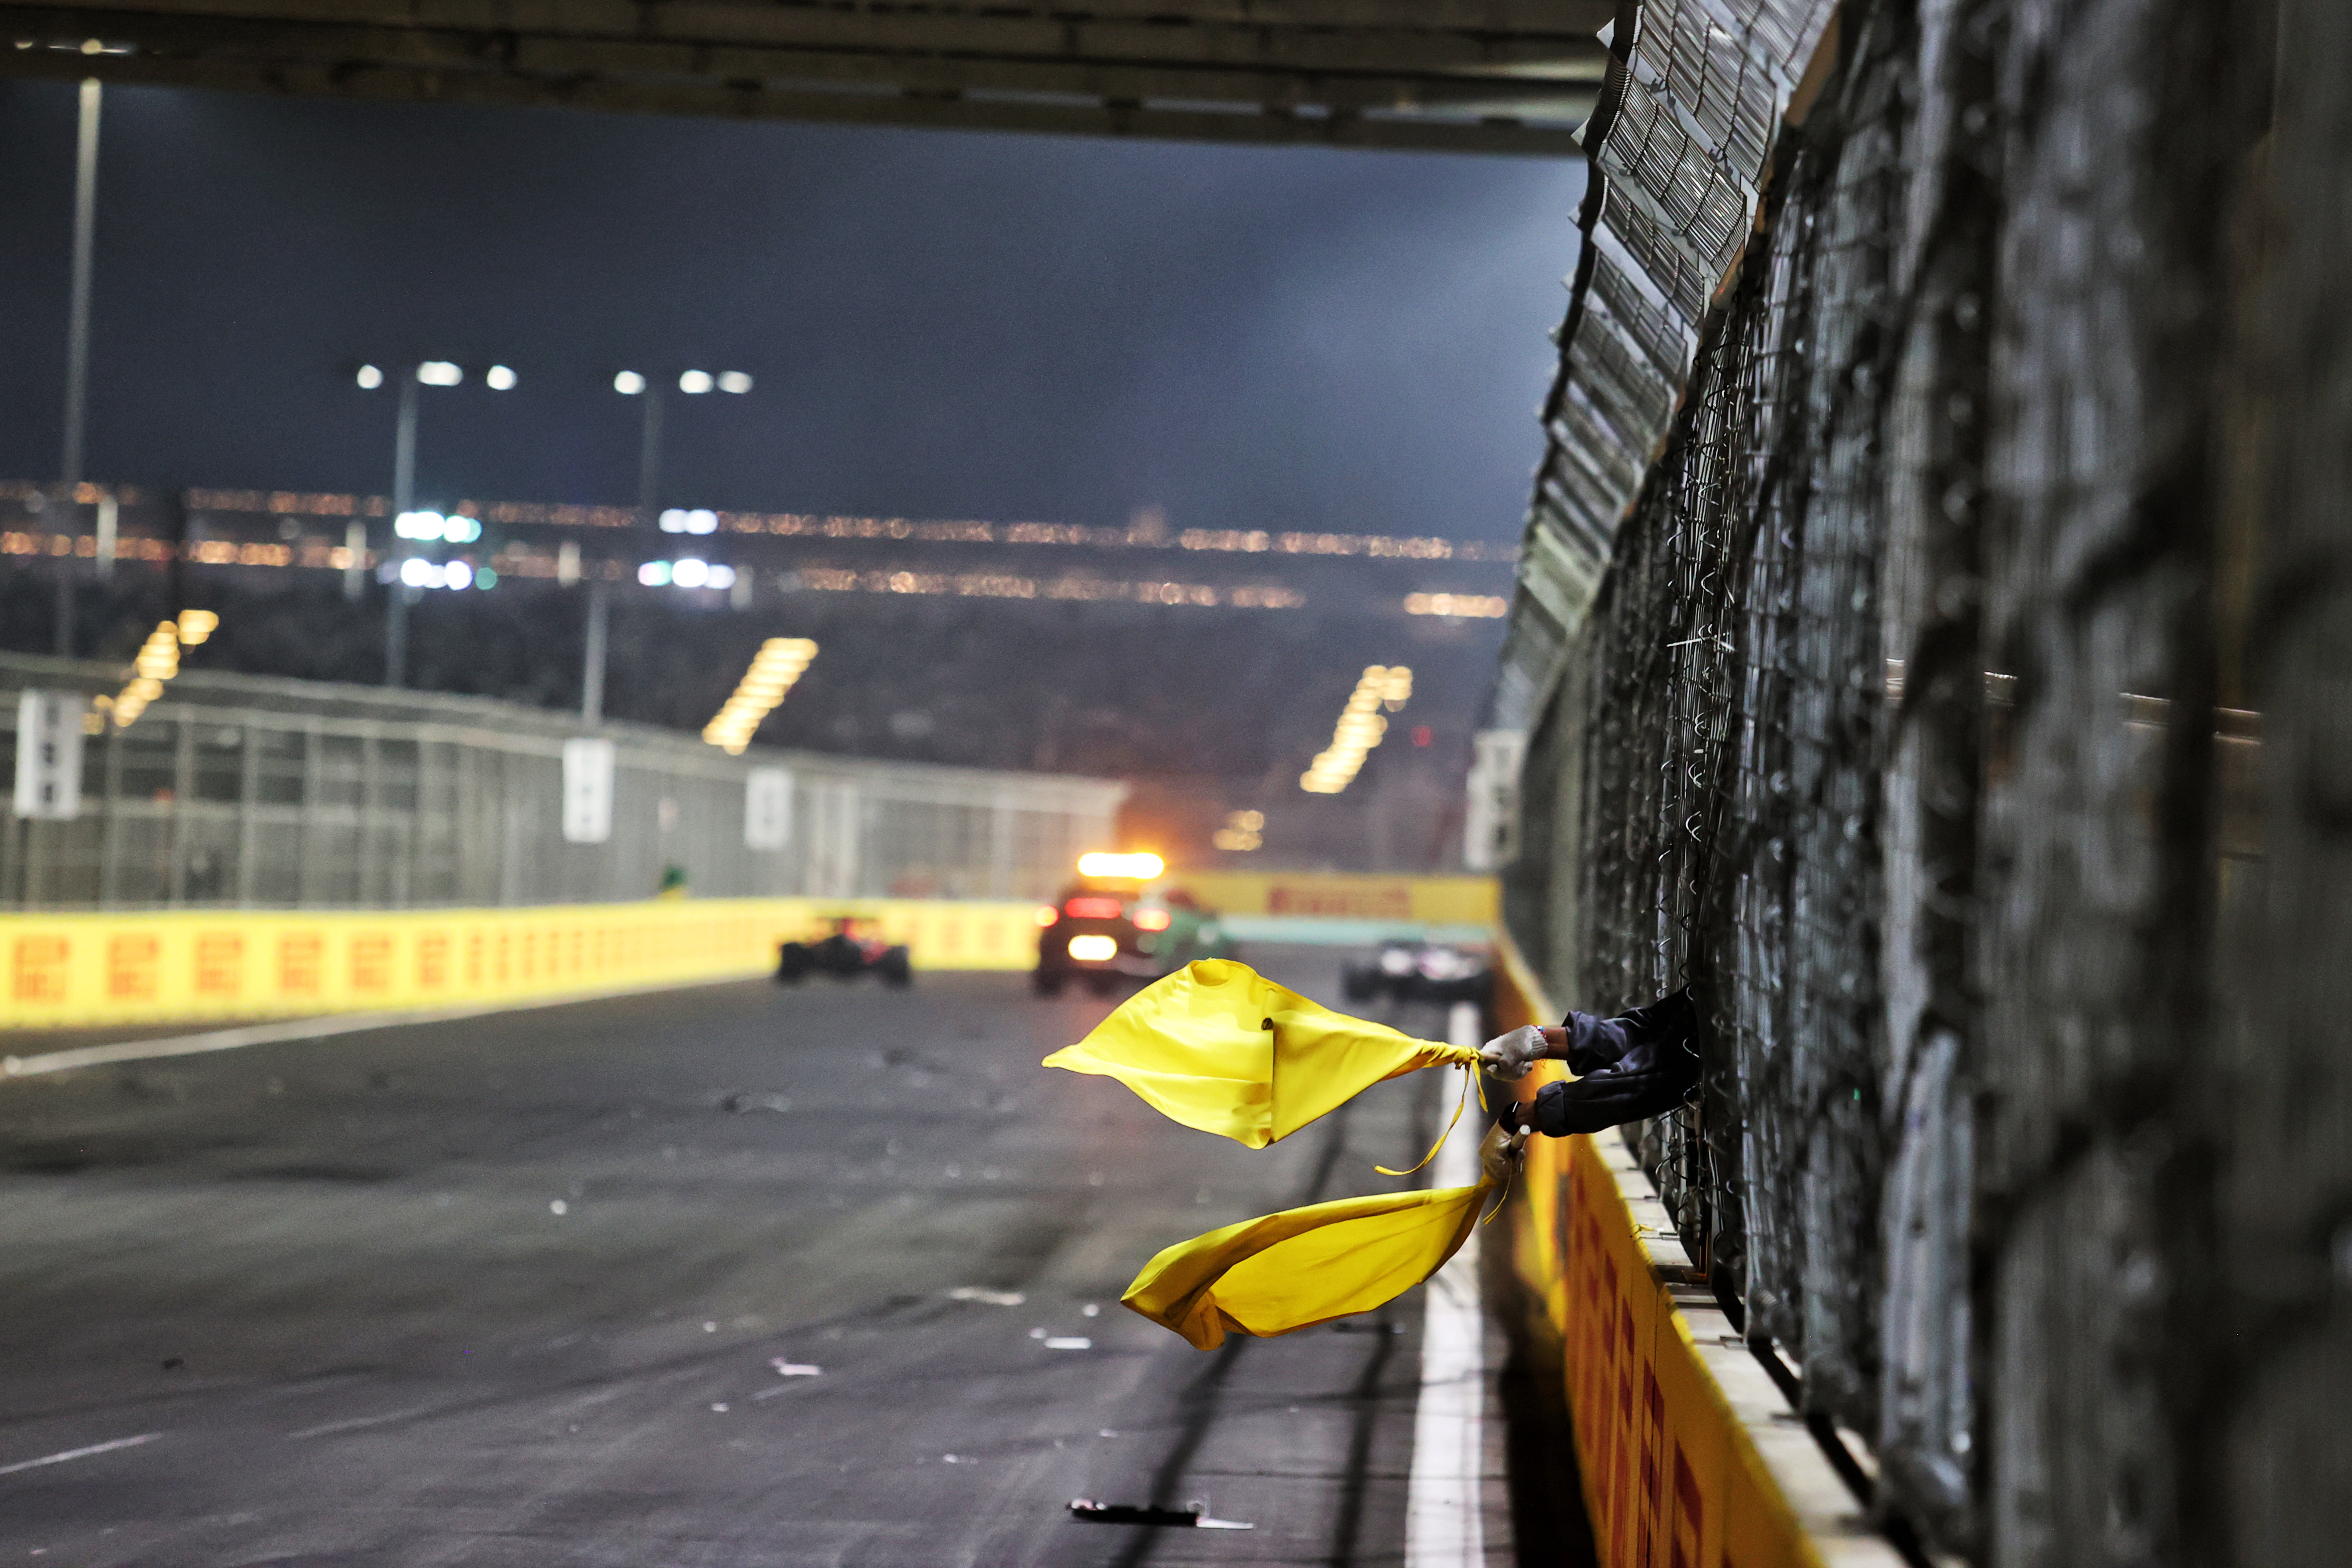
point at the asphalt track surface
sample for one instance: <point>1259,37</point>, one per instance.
<point>514,1290</point>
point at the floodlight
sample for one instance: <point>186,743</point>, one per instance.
<point>440,372</point>
<point>695,383</point>
<point>628,383</point>
<point>370,378</point>
<point>498,378</point>
<point>734,381</point>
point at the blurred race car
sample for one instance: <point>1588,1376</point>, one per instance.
<point>1419,972</point>
<point>1105,930</point>
<point>844,954</point>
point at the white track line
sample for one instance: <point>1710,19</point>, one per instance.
<point>312,1029</point>
<point>1444,1517</point>
<point>79,1452</point>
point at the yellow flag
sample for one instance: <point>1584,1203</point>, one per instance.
<point>1303,1267</point>
<point>1218,1047</point>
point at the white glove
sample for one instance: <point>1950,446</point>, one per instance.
<point>1513,1055</point>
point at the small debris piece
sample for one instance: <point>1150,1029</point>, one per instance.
<point>559,1207</point>
<point>958,1459</point>
<point>709,1328</point>
<point>1036,1334</point>
<point>1090,1310</point>
<point>795,1368</point>
<point>1068,1342</point>
<point>1088,1511</point>
<point>986,1296</point>
<point>719,1409</point>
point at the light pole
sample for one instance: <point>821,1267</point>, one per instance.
<point>432,373</point>
<point>633,383</point>
<point>78,343</point>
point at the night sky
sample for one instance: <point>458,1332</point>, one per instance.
<point>942,324</point>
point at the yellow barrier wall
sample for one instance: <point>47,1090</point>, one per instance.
<point>1672,1477</point>
<point>1442,900</point>
<point>77,970</point>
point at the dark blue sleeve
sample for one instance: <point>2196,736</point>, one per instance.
<point>1592,1043</point>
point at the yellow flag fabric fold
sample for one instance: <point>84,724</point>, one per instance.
<point>1305,1266</point>
<point>1218,1047</point>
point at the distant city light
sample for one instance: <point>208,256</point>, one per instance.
<point>677,519</point>
<point>775,669</point>
<point>734,381</point>
<point>432,525</point>
<point>418,573</point>
<point>196,625</point>
<point>439,372</point>
<point>654,574</point>
<point>689,573</point>
<point>370,378</point>
<point>485,579</point>
<point>695,383</point>
<point>498,378</point>
<point>628,383</point>
<point>1139,867</point>
<point>1478,606</point>
<point>1359,729</point>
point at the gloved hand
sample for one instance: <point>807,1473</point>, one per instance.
<point>1500,1154</point>
<point>1513,1055</point>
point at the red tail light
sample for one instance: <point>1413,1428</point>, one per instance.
<point>1152,920</point>
<point>1092,909</point>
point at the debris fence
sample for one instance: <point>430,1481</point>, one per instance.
<point>1886,646</point>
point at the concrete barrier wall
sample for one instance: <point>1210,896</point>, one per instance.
<point>1690,1455</point>
<point>1348,896</point>
<point>68,971</point>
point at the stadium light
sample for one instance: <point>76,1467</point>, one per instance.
<point>440,372</point>
<point>498,378</point>
<point>1359,728</point>
<point>158,661</point>
<point>628,383</point>
<point>429,526</point>
<point>687,572</point>
<point>370,378</point>
<point>774,670</point>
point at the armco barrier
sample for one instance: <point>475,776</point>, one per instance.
<point>1691,1456</point>
<point>68,971</point>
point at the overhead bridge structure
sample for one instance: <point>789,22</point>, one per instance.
<point>1464,76</point>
